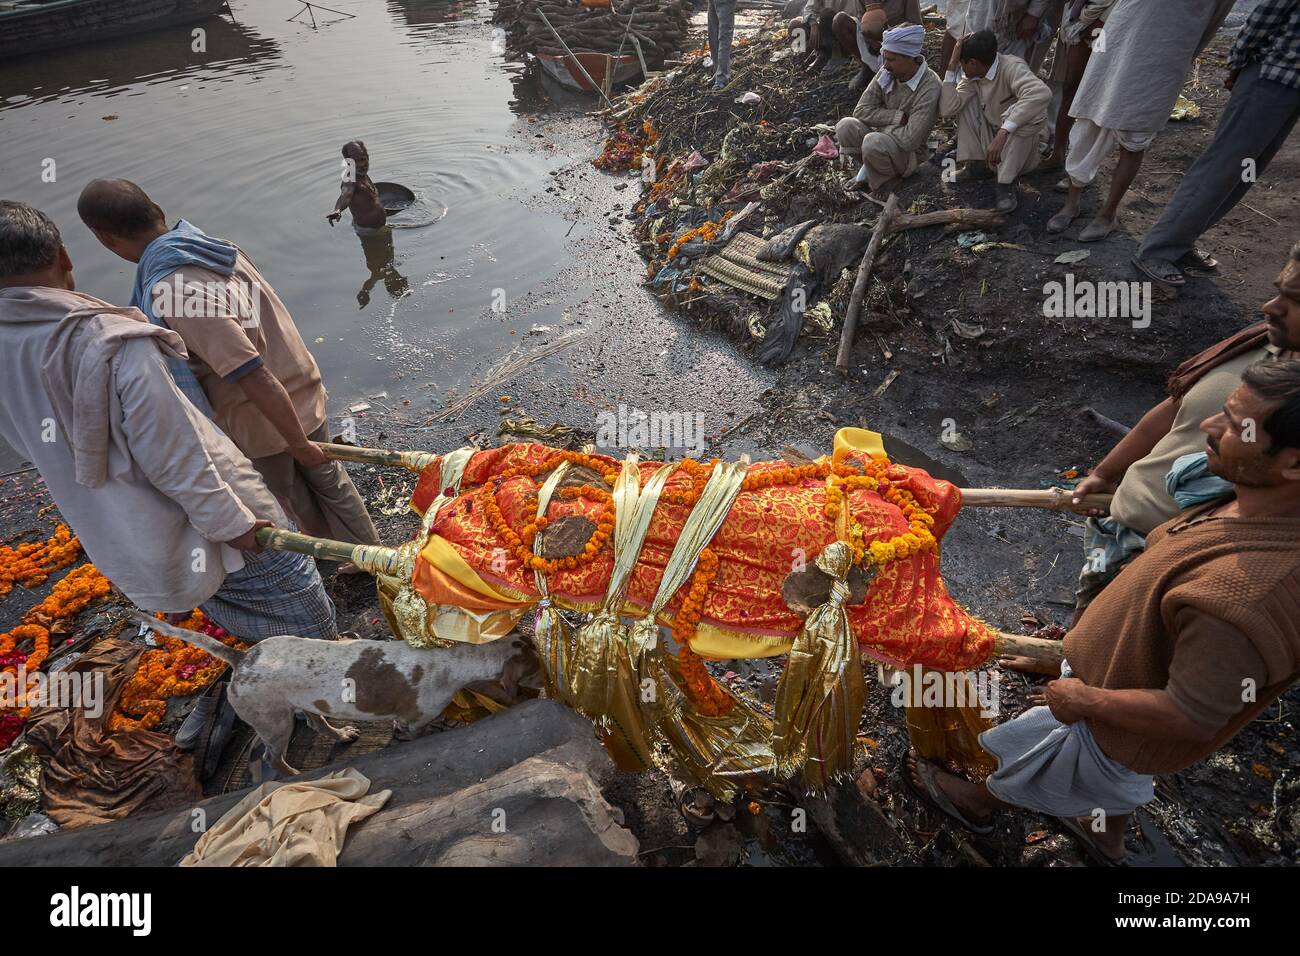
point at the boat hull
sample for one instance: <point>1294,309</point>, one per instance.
<point>71,22</point>
<point>563,71</point>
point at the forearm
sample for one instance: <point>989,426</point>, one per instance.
<point>269,397</point>
<point>1149,713</point>
<point>1139,442</point>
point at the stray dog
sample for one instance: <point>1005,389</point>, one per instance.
<point>348,679</point>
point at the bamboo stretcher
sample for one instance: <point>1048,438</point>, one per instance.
<point>378,559</point>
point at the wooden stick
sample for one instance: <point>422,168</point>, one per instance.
<point>1053,499</point>
<point>984,218</point>
<point>411,460</point>
<point>860,286</point>
<point>1039,648</point>
<point>369,557</point>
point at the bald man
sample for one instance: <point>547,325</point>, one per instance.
<point>248,364</point>
<point>862,39</point>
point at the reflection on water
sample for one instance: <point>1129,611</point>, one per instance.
<point>111,68</point>
<point>242,140</point>
<point>378,249</point>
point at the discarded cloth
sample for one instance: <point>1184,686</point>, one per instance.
<point>299,823</point>
<point>93,775</point>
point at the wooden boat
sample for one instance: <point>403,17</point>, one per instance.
<point>29,26</point>
<point>562,69</point>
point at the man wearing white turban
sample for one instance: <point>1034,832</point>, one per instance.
<point>891,124</point>
<point>1001,109</point>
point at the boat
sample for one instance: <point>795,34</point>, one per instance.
<point>30,26</point>
<point>564,71</point>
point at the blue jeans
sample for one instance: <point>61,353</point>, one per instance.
<point>722,26</point>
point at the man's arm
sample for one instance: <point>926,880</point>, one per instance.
<point>218,337</point>
<point>346,193</point>
<point>922,115</point>
<point>1033,96</point>
<point>1133,447</point>
<point>1261,26</point>
<point>265,392</point>
<point>1148,713</point>
<point>871,109</point>
<point>168,448</point>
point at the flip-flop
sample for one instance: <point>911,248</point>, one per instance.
<point>935,796</point>
<point>1085,839</point>
<point>1173,281</point>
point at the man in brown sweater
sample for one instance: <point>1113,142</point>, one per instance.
<point>1190,642</point>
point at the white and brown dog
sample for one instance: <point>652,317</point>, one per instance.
<point>347,679</point>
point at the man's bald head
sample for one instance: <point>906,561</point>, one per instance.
<point>118,207</point>
<point>874,22</point>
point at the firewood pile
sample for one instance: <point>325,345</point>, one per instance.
<point>659,25</point>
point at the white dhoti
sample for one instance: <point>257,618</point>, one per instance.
<point>880,153</point>
<point>975,133</point>
<point>1090,144</point>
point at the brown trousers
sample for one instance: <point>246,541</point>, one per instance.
<point>322,500</point>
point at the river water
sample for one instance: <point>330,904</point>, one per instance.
<point>243,140</point>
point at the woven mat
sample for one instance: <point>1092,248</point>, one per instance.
<point>739,267</point>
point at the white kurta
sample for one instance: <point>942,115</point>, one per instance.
<point>1135,74</point>
<point>176,487</point>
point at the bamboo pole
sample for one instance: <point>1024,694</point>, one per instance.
<point>864,277</point>
<point>1052,499</point>
<point>1038,648</point>
<point>368,557</point>
<point>411,460</point>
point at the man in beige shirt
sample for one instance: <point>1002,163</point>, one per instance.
<point>892,122</point>
<point>263,386</point>
<point>1001,109</point>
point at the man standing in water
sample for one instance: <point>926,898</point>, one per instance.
<point>358,194</point>
<point>247,358</point>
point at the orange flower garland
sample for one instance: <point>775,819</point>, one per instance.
<point>708,697</point>
<point>708,232</point>
<point>177,669</point>
<point>78,588</point>
<point>31,564</point>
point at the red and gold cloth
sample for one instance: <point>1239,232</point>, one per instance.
<point>907,616</point>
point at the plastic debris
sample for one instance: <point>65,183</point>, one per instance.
<point>1074,255</point>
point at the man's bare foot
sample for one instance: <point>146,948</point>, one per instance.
<point>1106,846</point>
<point>964,800</point>
<point>1028,665</point>
<point>349,568</point>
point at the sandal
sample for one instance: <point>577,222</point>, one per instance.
<point>1161,271</point>
<point>1198,263</point>
<point>935,796</point>
<point>1089,845</point>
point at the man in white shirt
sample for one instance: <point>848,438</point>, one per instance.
<point>1001,109</point>
<point>164,504</point>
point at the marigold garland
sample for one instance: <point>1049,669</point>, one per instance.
<point>708,232</point>
<point>177,669</point>
<point>31,564</point>
<point>78,588</point>
<point>709,698</point>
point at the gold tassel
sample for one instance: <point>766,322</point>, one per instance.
<point>821,695</point>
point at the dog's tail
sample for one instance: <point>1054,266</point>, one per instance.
<point>210,644</point>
